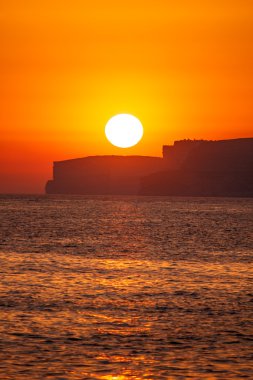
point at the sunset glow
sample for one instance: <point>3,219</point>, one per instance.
<point>185,70</point>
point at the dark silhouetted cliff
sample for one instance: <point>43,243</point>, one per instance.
<point>204,168</point>
<point>102,174</point>
<point>188,168</point>
<point>198,183</point>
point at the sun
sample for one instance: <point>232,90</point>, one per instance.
<point>124,130</point>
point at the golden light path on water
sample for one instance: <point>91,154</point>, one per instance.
<point>134,289</point>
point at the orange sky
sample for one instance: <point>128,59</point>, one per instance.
<point>184,68</point>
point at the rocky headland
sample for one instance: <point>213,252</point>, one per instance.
<point>187,168</point>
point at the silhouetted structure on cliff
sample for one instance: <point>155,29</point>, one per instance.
<point>188,168</point>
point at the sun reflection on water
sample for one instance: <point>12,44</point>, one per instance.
<point>125,294</point>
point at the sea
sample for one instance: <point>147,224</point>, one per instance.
<point>118,288</point>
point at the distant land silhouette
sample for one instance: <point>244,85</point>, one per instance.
<point>187,168</point>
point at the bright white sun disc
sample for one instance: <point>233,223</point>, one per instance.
<point>124,130</point>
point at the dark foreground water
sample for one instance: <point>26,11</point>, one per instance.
<point>125,288</point>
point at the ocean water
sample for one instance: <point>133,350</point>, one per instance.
<point>119,288</point>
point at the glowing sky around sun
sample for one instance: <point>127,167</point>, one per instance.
<point>183,68</point>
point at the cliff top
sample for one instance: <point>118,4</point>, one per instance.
<point>112,157</point>
<point>200,141</point>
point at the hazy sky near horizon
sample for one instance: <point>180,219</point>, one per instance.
<point>184,68</point>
